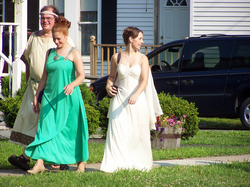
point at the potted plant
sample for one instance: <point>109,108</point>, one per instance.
<point>168,132</point>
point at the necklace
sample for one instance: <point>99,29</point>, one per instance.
<point>57,56</point>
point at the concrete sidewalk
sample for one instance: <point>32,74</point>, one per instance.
<point>184,162</point>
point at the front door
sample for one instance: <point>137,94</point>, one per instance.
<point>174,20</point>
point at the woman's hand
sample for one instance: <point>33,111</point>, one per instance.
<point>132,100</point>
<point>111,90</point>
<point>35,106</point>
<point>68,89</point>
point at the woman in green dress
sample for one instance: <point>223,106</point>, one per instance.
<point>62,134</point>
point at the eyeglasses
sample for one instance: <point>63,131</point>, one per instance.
<point>47,18</point>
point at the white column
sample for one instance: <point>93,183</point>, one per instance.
<point>42,3</point>
<point>191,6</point>
<point>20,16</point>
<point>72,13</point>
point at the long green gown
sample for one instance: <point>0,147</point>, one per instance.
<point>62,134</point>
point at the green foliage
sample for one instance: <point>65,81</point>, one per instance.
<point>179,107</point>
<point>87,95</point>
<point>21,91</point>
<point>93,116</point>
<point>103,107</point>
<point>10,109</point>
<point>10,106</point>
<point>5,86</point>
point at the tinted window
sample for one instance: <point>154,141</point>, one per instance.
<point>241,54</point>
<point>168,59</point>
<point>207,55</point>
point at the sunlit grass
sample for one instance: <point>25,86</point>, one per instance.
<point>235,174</point>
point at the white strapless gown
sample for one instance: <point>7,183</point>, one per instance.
<point>128,143</point>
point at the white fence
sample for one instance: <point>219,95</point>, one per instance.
<point>9,51</point>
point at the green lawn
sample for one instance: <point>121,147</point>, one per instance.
<point>223,175</point>
<point>205,143</point>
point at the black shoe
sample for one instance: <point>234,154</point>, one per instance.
<point>20,162</point>
<point>64,167</point>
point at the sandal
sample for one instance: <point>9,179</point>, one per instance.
<point>20,162</point>
<point>61,167</point>
<point>64,167</point>
<point>55,166</point>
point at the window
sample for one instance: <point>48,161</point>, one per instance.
<point>167,60</point>
<point>176,3</point>
<point>88,24</point>
<point>241,55</point>
<point>207,55</point>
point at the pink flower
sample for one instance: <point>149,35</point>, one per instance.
<point>178,122</point>
<point>184,115</point>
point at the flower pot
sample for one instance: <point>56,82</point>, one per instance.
<point>167,138</point>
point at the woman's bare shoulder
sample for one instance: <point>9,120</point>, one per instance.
<point>115,56</point>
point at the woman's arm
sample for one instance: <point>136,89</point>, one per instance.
<point>77,59</point>
<point>112,91</point>
<point>144,80</point>
<point>41,86</point>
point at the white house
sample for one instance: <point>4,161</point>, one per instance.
<point>161,21</point>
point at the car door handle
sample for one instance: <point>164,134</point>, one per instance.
<point>187,82</point>
<point>172,83</point>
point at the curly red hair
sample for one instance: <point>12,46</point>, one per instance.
<point>61,25</point>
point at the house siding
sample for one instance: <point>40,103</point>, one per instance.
<point>139,13</point>
<point>220,17</point>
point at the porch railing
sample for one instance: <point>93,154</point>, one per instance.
<point>9,49</point>
<point>98,50</point>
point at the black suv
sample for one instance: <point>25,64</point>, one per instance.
<point>212,71</point>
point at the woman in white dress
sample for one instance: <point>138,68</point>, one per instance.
<point>133,108</point>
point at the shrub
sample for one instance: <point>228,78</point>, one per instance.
<point>103,107</point>
<point>93,116</point>
<point>179,107</point>
<point>21,91</point>
<point>87,96</point>
<point>10,109</point>
<point>5,86</point>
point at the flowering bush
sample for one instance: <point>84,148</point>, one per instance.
<point>179,106</point>
<point>172,121</point>
<point>168,121</point>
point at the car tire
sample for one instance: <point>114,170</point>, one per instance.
<point>245,113</point>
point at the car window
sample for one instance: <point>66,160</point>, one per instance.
<point>167,59</point>
<point>207,55</point>
<point>241,54</point>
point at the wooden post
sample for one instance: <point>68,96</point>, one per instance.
<point>92,55</point>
